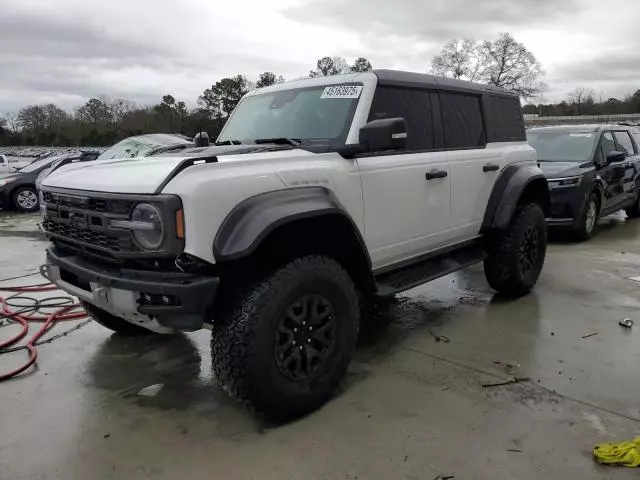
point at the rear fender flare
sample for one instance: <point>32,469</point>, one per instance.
<point>508,190</point>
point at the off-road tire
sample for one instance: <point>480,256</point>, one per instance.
<point>503,267</point>
<point>634,210</point>
<point>244,337</point>
<point>114,323</point>
<point>587,226</point>
<point>19,205</point>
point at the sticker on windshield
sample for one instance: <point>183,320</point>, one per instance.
<point>342,91</point>
<point>585,135</point>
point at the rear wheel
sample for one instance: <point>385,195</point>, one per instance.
<point>517,254</point>
<point>114,323</point>
<point>588,218</point>
<point>25,199</point>
<point>283,344</point>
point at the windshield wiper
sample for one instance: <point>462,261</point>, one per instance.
<point>281,140</point>
<point>228,142</point>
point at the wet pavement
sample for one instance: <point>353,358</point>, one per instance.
<point>413,405</point>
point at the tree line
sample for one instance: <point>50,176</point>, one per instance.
<point>583,101</point>
<point>103,121</point>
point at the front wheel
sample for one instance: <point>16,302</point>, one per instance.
<point>588,218</point>
<point>283,344</point>
<point>25,199</point>
<point>516,255</point>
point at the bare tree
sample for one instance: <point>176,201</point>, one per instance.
<point>581,96</point>
<point>459,59</point>
<point>510,65</point>
<point>504,63</point>
<point>13,122</point>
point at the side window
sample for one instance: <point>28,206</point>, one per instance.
<point>636,137</point>
<point>414,106</point>
<point>623,142</point>
<point>504,119</point>
<point>462,121</point>
<point>607,144</point>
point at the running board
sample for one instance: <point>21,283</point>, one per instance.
<point>423,271</point>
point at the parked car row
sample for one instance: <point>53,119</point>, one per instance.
<point>19,183</point>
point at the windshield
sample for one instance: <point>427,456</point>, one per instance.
<point>126,149</point>
<point>317,115</point>
<point>37,165</point>
<point>563,146</point>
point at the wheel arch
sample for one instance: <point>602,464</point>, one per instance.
<point>14,189</point>
<point>517,185</point>
<point>273,226</point>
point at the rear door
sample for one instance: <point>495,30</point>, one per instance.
<point>406,194</point>
<point>474,168</point>
<point>612,173</point>
<point>625,144</point>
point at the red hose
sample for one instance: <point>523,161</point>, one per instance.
<point>61,314</point>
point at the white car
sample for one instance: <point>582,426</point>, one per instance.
<point>317,194</point>
<point>9,165</point>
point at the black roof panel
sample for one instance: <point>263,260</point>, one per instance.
<point>411,79</point>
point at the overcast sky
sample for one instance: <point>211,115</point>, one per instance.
<point>66,51</point>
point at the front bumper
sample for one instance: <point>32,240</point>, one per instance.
<point>121,291</point>
<point>566,206</point>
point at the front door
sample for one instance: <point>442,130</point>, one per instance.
<point>406,194</point>
<point>406,204</point>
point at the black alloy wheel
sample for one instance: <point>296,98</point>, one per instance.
<point>529,249</point>
<point>305,337</point>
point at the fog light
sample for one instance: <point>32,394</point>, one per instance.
<point>158,299</point>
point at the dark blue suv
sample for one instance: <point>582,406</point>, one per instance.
<point>592,171</point>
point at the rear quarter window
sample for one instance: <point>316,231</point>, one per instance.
<point>504,119</point>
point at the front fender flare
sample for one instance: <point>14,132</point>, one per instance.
<point>253,219</point>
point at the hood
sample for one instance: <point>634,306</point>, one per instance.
<point>144,175</point>
<point>564,169</point>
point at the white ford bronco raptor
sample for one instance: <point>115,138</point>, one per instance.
<point>318,195</point>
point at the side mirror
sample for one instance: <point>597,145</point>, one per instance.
<point>201,139</point>
<point>384,134</point>
<point>616,156</point>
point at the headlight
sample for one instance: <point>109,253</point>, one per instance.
<point>146,224</point>
<point>6,181</point>
<point>564,182</point>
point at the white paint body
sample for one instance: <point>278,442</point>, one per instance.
<point>399,213</point>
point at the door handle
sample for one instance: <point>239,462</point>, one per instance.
<point>490,167</point>
<point>436,174</point>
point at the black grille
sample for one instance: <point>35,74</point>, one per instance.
<point>84,235</point>
<point>82,223</point>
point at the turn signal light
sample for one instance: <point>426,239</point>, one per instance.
<point>180,224</point>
